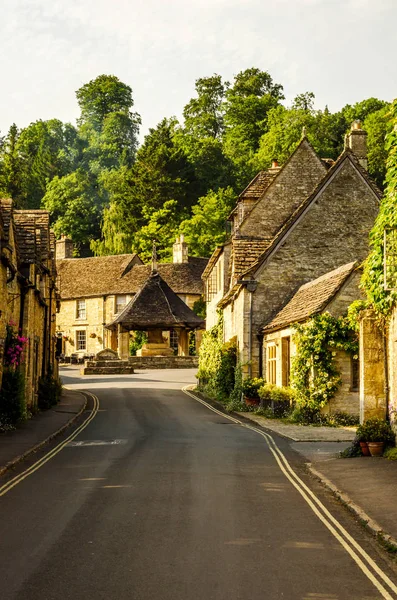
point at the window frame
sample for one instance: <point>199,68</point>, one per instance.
<point>78,331</point>
<point>116,304</point>
<point>81,311</point>
<point>271,363</point>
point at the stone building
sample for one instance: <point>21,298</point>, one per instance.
<point>331,293</point>
<point>94,291</point>
<point>28,290</point>
<point>292,224</point>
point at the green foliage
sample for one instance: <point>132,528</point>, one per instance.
<point>205,229</point>
<point>390,453</point>
<point>314,375</point>
<point>217,363</point>
<point>277,401</point>
<point>354,314</point>
<point>50,391</point>
<point>251,386</point>
<point>376,430</point>
<point>200,308</point>
<point>12,397</point>
<point>373,278</point>
<point>139,338</point>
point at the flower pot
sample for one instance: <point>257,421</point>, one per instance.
<point>364,449</point>
<point>251,401</point>
<point>376,448</point>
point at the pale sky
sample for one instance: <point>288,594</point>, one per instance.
<point>342,50</point>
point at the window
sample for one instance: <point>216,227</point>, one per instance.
<point>211,285</point>
<point>286,360</point>
<point>81,339</point>
<point>271,363</point>
<point>81,312</point>
<point>355,374</point>
<point>174,340</point>
<point>121,302</point>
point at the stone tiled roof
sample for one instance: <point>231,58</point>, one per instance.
<point>246,251</point>
<point>6,212</point>
<point>346,155</point>
<point>156,306</point>
<point>29,242</point>
<point>257,187</point>
<point>103,275</point>
<point>311,298</point>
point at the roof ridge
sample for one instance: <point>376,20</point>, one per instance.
<point>346,267</point>
<point>346,154</point>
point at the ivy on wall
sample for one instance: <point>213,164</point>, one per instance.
<point>314,374</point>
<point>373,278</point>
<point>217,363</point>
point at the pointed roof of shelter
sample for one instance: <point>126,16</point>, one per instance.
<point>156,306</point>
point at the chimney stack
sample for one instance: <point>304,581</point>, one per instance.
<point>64,248</point>
<point>179,250</point>
<point>357,142</point>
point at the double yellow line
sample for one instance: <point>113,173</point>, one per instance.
<point>18,478</point>
<point>374,573</point>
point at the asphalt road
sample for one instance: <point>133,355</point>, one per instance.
<point>159,498</point>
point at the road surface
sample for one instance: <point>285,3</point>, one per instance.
<point>160,498</point>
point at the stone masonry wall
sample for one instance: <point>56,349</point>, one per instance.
<point>392,352</point>
<point>334,232</point>
<point>292,185</point>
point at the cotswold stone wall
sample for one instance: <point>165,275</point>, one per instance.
<point>335,231</point>
<point>293,184</point>
<point>392,363</point>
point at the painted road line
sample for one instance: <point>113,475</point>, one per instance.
<point>338,531</point>
<point>19,478</point>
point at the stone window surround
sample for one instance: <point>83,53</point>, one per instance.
<point>271,362</point>
<point>81,339</point>
<point>81,310</point>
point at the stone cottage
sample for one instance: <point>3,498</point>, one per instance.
<point>95,290</point>
<point>28,284</point>
<point>292,224</point>
<point>331,293</point>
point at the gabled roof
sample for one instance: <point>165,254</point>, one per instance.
<point>156,306</point>
<point>305,205</point>
<point>213,259</point>
<point>40,221</point>
<point>311,298</point>
<point>124,274</point>
<point>257,186</point>
<point>246,251</point>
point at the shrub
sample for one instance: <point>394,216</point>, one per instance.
<point>391,453</point>
<point>376,430</point>
<point>12,397</point>
<point>139,338</point>
<point>226,373</point>
<point>50,390</point>
<point>277,399</point>
<point>251,386</point>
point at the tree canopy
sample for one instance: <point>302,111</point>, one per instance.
<point>113,196</point>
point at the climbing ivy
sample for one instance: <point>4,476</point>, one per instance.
<point>373,281</point>
<point>217,363</point>
<point>314,374</point>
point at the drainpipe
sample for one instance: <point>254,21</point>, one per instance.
<point>260,340</point>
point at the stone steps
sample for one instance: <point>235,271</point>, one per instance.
<point>116,370</point>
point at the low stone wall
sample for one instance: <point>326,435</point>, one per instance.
<point>163,362</point>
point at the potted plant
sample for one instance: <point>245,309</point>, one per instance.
<point>376,433</point>
<point>251,387</point>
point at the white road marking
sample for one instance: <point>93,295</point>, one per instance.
<point>347,541</point>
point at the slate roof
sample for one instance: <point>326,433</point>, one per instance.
<point>311,298</point>
<point>156,306</point>
<point>104,275</point>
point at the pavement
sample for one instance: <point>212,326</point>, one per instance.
<point>159,480</point>
<point>38,431</point>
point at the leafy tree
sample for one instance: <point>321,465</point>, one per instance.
<point>248,102</point>
<point>162,227</point>
<point>11,177</point>
<point>102,96</point>
<point>378,125</point>
<point>76,206</point>
<point>206,227</point>
<point>203,116</point>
